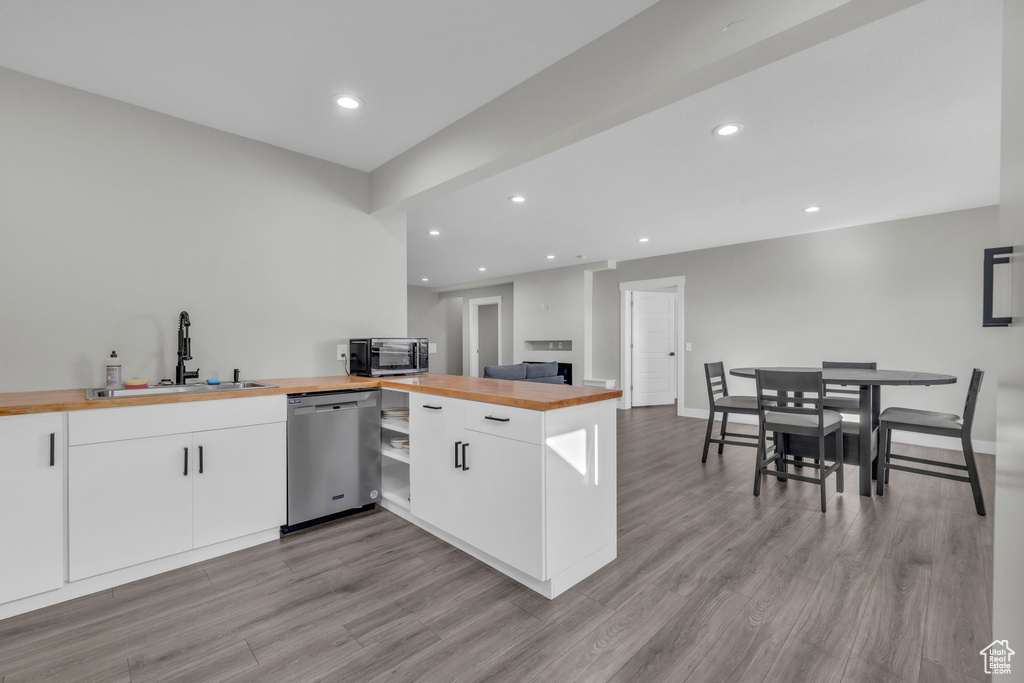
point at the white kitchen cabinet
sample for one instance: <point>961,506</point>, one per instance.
<point>31,504</point>
<point>238,482</point>
<point>530,492</point>
<point>128,502</point>
<point>436,484</point>
<point>476,486</point>
<point>135,492</point>
<point>504,500</point>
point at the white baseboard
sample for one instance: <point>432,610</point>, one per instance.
<point>94,584</point>
<point>910,438</point>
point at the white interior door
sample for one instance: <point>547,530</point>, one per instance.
<point>654,343</point>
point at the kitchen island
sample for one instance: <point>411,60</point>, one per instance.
<point>108,491</point>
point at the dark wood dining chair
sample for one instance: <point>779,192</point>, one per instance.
<point>793,402</point>
<point>940,424</point>
<point>719,401</point>
<point>840,398</point>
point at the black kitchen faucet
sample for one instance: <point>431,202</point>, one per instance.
<point>184,351</point>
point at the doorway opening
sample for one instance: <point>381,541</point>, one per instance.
<point>651,364</point>
<point>484,334</point>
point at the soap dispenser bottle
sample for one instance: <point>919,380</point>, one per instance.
<point>113,371</point>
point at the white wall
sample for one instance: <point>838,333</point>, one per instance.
<point>562,291</point>
<point>905,293</point>
<point>440,320</point>
<point>114,218</point>
<point>1008,590</point>
<point>507,294</point>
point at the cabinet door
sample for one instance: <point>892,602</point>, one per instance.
<point>240,482</point>
<point>505,501</point>
<point>31,504</point>
<point>128,502</point>
<point>436,485</point>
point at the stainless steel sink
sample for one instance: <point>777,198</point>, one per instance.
<point>176,389</point>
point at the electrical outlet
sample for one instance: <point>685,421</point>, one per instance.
<point>342,351</point>
<point>689,346</point>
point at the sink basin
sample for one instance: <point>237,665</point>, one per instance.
<point>176,389</point>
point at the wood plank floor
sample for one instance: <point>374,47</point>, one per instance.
<point>711,584</point>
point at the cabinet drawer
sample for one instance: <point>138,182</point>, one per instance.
<point>137,422</point>
<point>512,423</point>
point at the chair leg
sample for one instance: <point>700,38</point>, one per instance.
<point>839,459</point>
<point>821,470</point>
<point>725,422</point>
<point>759,460</point>
<point>707,435</point>
<point>884,441</point>
<point>972,474</point>
<point>780,464</point>
<point>888,452</point>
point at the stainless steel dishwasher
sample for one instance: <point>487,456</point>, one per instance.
<point>334,460</point>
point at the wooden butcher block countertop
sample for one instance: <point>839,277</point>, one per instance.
<point>531,395</point>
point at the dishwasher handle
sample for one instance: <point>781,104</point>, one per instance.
<point>337,406</point>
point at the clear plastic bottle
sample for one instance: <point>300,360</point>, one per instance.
<point>113,371</point>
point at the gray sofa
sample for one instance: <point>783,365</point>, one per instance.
<point>546,373</point>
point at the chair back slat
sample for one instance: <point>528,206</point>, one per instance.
<point>833,389</point>
<point>717,386</point>
<point>972,399</point>
<point>784,383</point>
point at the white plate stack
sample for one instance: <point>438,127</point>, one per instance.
<point>400,414</point>
<point>401,442</point>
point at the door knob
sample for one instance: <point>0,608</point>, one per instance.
<point>671,353</point>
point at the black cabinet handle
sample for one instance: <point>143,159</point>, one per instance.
<point>496,419</point>
<point>427,405</point>
<point>457,444</point>
<point>186,461</point>
<point>53,447</point>
<point>200,460</point>
<point>465,465</point>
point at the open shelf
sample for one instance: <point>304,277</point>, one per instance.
<point>395,426</point>
<point>394,483</point>
<point>398,454</point>
<point>399,497</point>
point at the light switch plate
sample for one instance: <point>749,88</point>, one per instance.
<point>342,351</point>
<point>689,346</point>
<point>432,347</point>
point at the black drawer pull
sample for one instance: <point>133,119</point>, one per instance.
<point>457,444</point>
<point>465,460</point>
<point>200,460</point>
<point>427,405</point>
<point>53,448</point>
<point>496,419</point>
<point>186,461</point>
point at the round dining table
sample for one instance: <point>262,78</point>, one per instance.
<point>870,383</point>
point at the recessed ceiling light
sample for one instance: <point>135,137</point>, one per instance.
<point>518,198</point>
<point>812,209</point>
<point>644,239</point>
<point>728,129</point>
<point>426,279</point>
<point>481,269</point>
<point>434,232</point>
<point>551,256</point>
<point>347,101</point>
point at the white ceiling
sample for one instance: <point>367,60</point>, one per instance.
<point>265,69</point>
<point>899,118</point>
